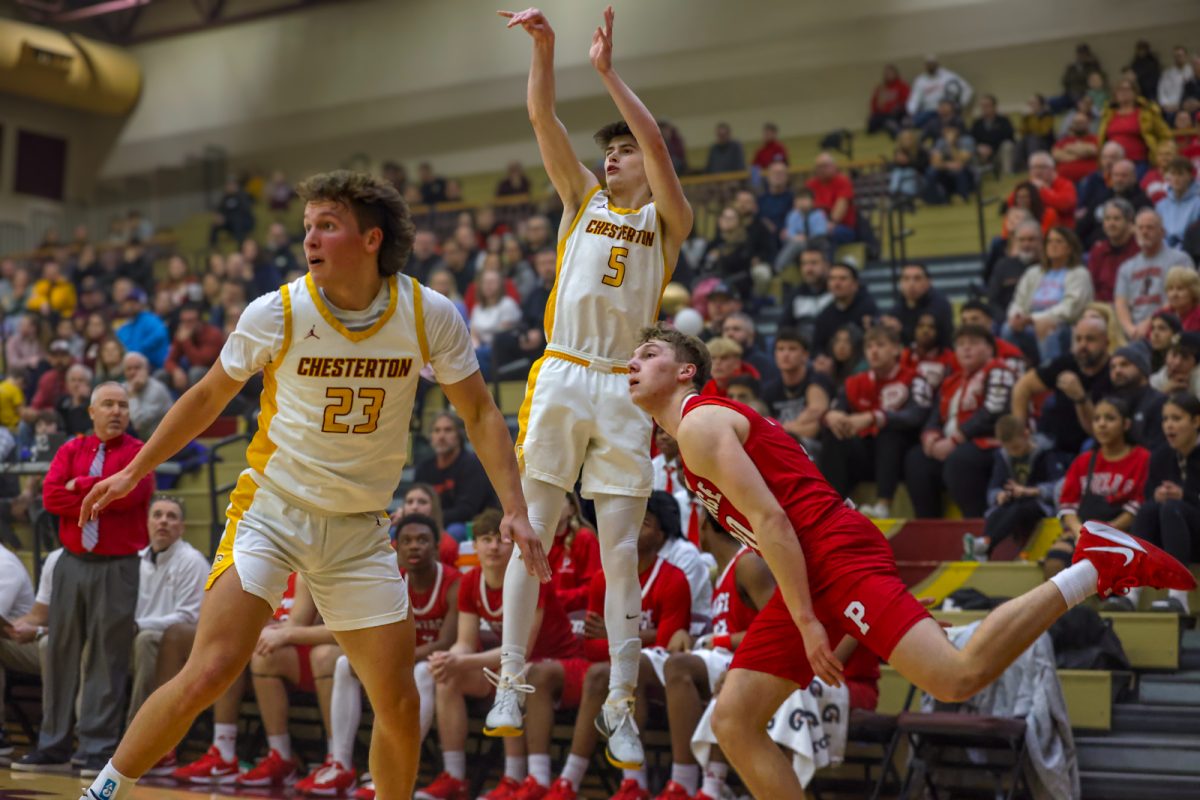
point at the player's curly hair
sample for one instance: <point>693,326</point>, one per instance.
<point>688,350</point>
<point>611,131</point>
<point>375,203</point>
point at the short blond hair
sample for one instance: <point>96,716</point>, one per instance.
<point>722,346</point>
<point>1186,277</point>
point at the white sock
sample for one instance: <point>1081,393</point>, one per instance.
<point>539,768</point>
<point>1181,596</point>
<point>111,784</point>
<point>427,691</point>
<point>622,679</point>
<point>686,775</point>
<point>455,762</point>
<point>281,744</point>
<point>225,740</point>
<point>514,767</point>
<point>512,659</point>
<point>1077,582</point>
<point>638,775</point>
<point>574,770</point>
<point>714,778</point>
<point>345,712</point>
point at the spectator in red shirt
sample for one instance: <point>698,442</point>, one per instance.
<point>727,364</point>
<point>873,423</point>
<point>833,193</point>
<point>95,596</point>
<point>1114,248</point>
<point>1107,483</point>
<point>772,149</point>
<point>1077,153</point>
<point>574,557</point>
<point>195,347</point>
<point>1057,192</point>
<point>887,102</point>
<point>666,613</point>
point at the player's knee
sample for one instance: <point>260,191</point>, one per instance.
<point>543,677</point>
<point>677,671</point>
<point>725,723</point>
<point>323,658</point>
<point>209,677</point>
<point>596,679</point>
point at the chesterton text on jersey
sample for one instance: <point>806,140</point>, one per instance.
<point>321,367</point>
<point>622,232</point>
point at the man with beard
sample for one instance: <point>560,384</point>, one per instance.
<point>807,299</point>
<point>1026,244</point>
<point>1129,371</point>
<point>1078,379</point>
<point>1114,248</point>
<point>1122,183</point>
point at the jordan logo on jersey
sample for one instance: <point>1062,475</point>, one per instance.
<point>312,333</point>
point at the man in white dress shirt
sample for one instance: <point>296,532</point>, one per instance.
<point>16,598</point>
<point>169,592</point>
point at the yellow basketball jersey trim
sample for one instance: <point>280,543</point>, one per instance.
<point>239,500</point>
<point>261,448</point>
<point>625,211</point>
<point>548,319</point>
<point>327,315</point>
<point>523,413</point>
<point>667,270</point>
<point>419,316</point>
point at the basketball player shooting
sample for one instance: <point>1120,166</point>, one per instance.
<point>617,247</point>
<point>834,569</point>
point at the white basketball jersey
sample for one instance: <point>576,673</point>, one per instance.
<point>612,270</point>
<point>336,403</point>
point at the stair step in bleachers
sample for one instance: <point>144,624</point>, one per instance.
<point>1156,719</point>
<point>1141,752</point>
<point>1111,785</point>
<point>1177,689</point>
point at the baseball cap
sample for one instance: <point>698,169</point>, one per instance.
<point>720,288</point>
<point>136,294</point>
<point>60,346</point>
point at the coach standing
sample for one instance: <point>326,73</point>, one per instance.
<point>95,591</point>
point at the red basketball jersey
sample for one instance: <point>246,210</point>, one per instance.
<point>730,614</point>
<point>429,608</point>
<point>555,638</point>
<point>838,543</point>
<point>666,605</point>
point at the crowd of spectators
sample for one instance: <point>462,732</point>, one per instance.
<point>1067,387</point>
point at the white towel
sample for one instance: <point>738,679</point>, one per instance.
<point>811,723</point>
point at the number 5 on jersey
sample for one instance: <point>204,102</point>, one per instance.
<point>343,398</point>
<point>616,262</point>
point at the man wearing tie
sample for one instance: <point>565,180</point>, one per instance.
<point>95,592</point>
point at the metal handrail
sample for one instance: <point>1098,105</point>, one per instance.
<point>214,491</point>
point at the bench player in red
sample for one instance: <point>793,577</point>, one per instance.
<point>835,571</point>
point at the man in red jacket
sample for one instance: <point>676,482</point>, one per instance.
<point>95,592</point>
<point>1056,191</point>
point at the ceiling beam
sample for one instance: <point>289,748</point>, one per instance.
<point>98,10</point>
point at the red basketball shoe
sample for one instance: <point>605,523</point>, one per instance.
<point>1126,562</point>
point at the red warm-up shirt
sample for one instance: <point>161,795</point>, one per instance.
<point>555,638</point>
<point>574,567</point>
<point>1060,196</point>
<point>933,367</point>
<point>1122,483</point>
<point>730,614</point>
<point>879,395</point>
<point>123,530</point>
<point>429,608</point>
<point>666,606</point>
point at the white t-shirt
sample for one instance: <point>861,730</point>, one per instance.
<point>46,584</point>
<point>339,387</point>
<point>16,589</point>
